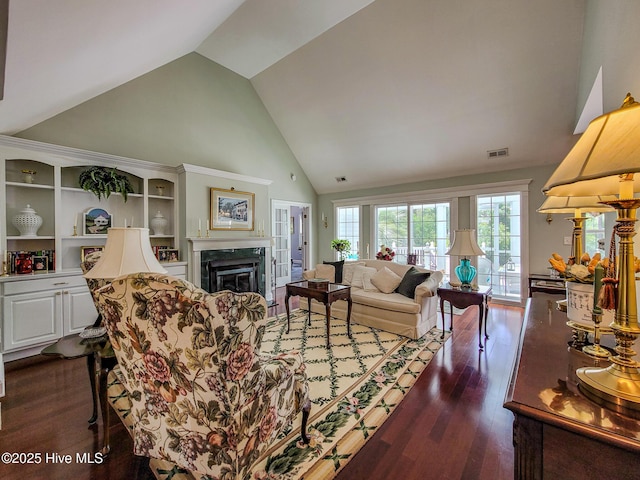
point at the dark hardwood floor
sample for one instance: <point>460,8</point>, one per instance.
<point>451,425</point>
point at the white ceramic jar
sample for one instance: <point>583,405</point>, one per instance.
<point>159,224</point>
<point>27,222</point>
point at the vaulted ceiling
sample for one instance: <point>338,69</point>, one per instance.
<point>379,92</point>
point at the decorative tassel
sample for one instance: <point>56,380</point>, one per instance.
<point>609,291</point>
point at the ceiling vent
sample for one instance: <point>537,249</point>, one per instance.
<point>341,179</point>
<point>502,152</point>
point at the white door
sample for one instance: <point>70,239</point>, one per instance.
<point>282,249</point>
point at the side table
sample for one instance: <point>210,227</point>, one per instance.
<point>100,360</point>
<point>465,297</point>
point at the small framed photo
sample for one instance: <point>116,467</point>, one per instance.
<point>168,255</point>
<point>231,210</point>
<point>84,251</point>
<point>96,221</point>
<point>40,264</point>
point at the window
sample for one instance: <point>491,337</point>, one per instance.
<point>348,228</point>
<point>499,236</point>
<point>420,229</point>
<point>594,235</point>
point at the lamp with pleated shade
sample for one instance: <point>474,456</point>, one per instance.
<point>465,246</point>
<point>606,160</point>
<point>128,250</point>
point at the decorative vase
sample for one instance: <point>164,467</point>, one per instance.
<point>27,222</point>
<point>158,224</point>
<point>160,190</point>
<point>465,271</point>
<point>28,175</point>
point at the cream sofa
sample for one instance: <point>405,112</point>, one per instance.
<point>393,312</point>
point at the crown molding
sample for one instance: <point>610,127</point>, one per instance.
<point>79,154</point>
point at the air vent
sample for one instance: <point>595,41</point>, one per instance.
<point>341,179</point>
<point>502,152</point>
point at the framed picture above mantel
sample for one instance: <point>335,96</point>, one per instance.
<point>231,210</point>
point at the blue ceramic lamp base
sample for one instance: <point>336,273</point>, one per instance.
<point>465,272</point>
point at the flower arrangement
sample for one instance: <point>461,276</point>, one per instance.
<point>385,253</point>
<point>580,272</point>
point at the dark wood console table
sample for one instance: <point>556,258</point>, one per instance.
<point>557,431</point>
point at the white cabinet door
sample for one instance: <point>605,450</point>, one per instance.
<point>79,310</point>
<point>31,319</point>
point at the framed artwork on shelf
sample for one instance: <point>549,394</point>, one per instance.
<point>84,251</point>
<point>40,264</point>
<point>96,221</point>
<point>231,210</point>
<point>168,255</point>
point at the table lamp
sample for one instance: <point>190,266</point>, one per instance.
<point>576,205</point>
<point>606,160</point>
<point>128,250</point>
<point>465,246</point>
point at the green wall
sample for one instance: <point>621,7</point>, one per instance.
<point>191,110</point>
<point>611,39</point>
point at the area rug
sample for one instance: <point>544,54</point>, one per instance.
<point>355,385</point>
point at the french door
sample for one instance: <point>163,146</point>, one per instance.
<point>282,246</point>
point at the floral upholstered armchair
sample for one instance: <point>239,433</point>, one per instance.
<point>200,395</point>
<point>93,283</point>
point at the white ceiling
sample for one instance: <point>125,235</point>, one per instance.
<point>381,92</point>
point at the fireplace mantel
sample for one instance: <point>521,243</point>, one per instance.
<point>197,245</point>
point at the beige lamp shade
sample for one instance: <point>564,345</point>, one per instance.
<point>128,250</point>
<point>608,148</point>
<point>464,244</point>
<point>571,204</point>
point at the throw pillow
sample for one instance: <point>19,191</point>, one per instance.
<point>412,278</point>
<point>385,280</point>
<point>347,272</point>
<point>358,275</point>
<point>366,281</point>
<point>339,267</point>
<point>326,271</point>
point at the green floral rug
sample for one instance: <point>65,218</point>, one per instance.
<point>355,385</point>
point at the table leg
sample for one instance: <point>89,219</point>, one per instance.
<point>104,406</point>
<point>309,311</point>
<point>480,320</point>
<point>286,304</point>
<point>486,316</point>
<point>91,366</point>
<point>442,313</point>
<point>328,313</point>
<point>349,303</point>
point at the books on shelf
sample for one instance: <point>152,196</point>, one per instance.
<point>22,262</point>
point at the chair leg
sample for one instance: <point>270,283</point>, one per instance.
<point>305,417</point>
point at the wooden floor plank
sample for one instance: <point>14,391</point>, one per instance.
<point>450,425</point>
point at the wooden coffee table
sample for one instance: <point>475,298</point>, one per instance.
<point>326,295</point>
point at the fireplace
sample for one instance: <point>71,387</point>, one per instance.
<point>237,264</point>
<point>235,274</point>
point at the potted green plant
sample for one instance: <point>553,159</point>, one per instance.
<point>105,181</point>
<point>341,246</point>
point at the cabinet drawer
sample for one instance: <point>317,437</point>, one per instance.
<point>34,284</point>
